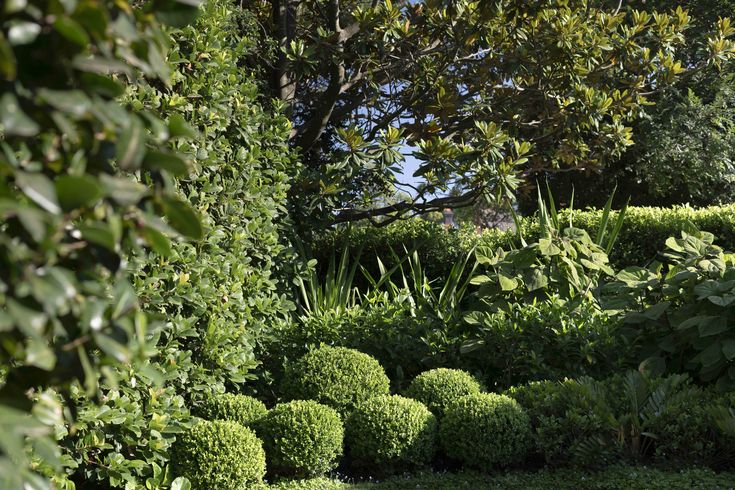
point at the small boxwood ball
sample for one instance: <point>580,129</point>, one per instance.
<point>440,388</point>
<point>302,438</point>
<point>219,455</point>
<point>486,429</point>
<point>336,376</point>
<point>245,410</point>
<point>391,430</point>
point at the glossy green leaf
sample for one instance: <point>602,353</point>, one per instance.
<point>157,241</point>
<point>40,189</point>
<point>99,234</point>
<point>14,121</point>
<point>77,191</point>
<point>112,347</point>
<point>170,162</point>
<point>182,218</point>
<point>123,190</point>
<point>71,30</point>
<point>179,128</point>
<point>131,145</point>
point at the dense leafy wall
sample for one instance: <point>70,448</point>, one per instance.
<point>73,206</point>
<point>215,295</point>
<point>644,232</point>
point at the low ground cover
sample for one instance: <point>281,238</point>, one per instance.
<point>628,477</point>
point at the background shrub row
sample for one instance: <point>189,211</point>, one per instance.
<point>643,234</point>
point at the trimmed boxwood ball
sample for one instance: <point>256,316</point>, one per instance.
<point>486,429</point>
<point>391,430</point>
<point>439,388</point>
<point>302,438</point>
<point>219,455</point>
<point>243,409</point>
<point>336,376</point>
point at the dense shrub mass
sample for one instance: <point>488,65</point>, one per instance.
<point>243,409</point>
<point>391,432</point>
<point>302,438</point>
<point>215,295</point>
<point>485,430</point>
<point>75,203</point>
<point>625,417</point>
<point>336,376</point>
<point>545,340</point>
<point>219,455</point>
<point>440,388</point>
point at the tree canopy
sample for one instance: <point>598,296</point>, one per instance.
<point>483,94</point>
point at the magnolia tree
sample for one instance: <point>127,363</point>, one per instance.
<point>481,94</point>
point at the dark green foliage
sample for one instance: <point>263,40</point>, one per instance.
<point>243,409</point>
<point>302,438</point>
<point>336,376</point>
<point>440,388</point>
<point>485,430</point>
<point>685,313</point>
<point>550,339</point>
<point>219,455</point>
<point>84,181</point>
<point>613,478</point>
<point>391,432</point>
<point>633,417</point>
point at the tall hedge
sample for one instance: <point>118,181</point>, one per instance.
<point>77,196</point>
<point>214,295</point>
<point>644,232</point>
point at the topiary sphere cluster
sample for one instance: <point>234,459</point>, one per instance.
<point>302,438</point>
<point>440,388</point>
<point>245,410</point>
<point>219,455</point>
<point>336,376</point>
<point>486,429</point>
<point>391,430</point>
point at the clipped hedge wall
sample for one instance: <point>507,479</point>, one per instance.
<point>644,232</point>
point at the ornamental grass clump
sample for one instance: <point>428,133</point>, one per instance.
<point>302,438</point>
<point>336,376</point>
<point>219,455</point>
<point>440,388</point>
<point>392,432</point>
<point>486,429</point>
<point>243,409</point>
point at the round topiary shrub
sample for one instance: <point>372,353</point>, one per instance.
<point>302,438</point>
<point>336,376</point>
<point>393,431</point>
<point>439,388</point>
<point>486,429</point>
<point>245,410</point>
<point>219,455</point>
